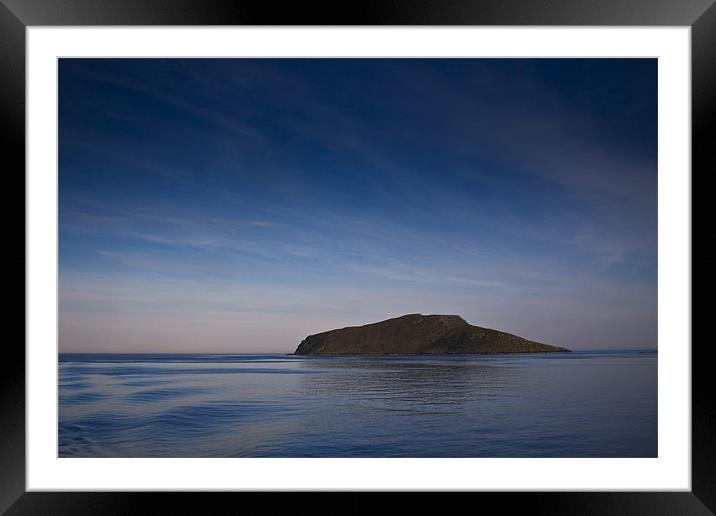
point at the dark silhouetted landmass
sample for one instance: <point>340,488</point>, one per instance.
<point>417,334</point>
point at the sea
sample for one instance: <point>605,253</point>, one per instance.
<point>580,404</point>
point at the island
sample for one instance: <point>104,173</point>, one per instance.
<point>417,334</point>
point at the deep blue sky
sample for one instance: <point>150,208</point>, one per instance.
<point>238,205</point>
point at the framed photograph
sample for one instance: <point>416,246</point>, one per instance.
<point>417,249</point>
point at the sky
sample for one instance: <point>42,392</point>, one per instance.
<point>239,205</point>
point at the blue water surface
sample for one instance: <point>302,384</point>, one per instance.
<point>582,404</point>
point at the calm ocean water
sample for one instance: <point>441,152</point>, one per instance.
<point>553,405</point>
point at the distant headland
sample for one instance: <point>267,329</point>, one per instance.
<point>417,334</point>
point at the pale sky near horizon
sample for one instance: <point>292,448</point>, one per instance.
<point>238,205</point>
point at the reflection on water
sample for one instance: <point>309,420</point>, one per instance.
<point>572,405</point>
<point>414,386</point>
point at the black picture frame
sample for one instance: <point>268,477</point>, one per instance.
<point>16,15</point>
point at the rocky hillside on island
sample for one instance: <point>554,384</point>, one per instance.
<point>417,334</point>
